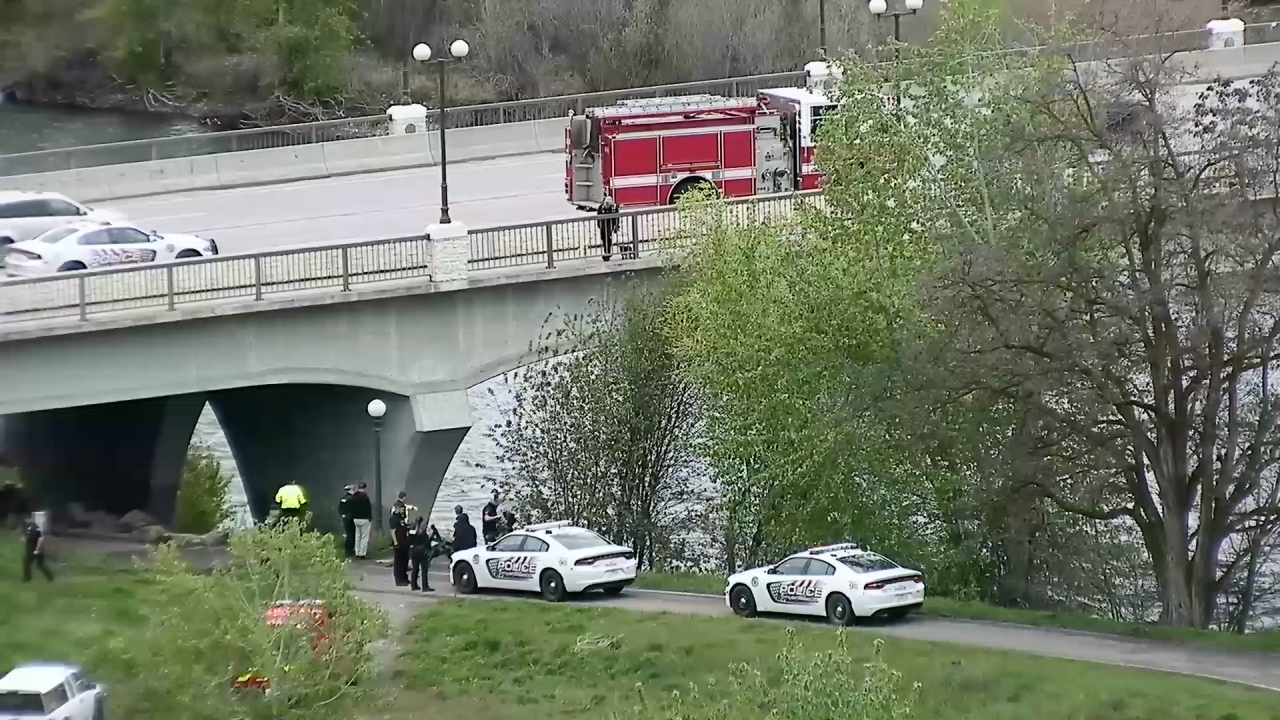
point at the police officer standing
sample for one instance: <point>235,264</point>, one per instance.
<point>608,225</point>
<point>33,538</point>
<point>420,542</point>
<point>400,540</point>
<point>348,521</point>
<point>292,501</point>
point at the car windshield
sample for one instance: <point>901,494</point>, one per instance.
<point>20,703</point>
<point>580,540</point>
<point>57,234</point>
<point>868,562</point>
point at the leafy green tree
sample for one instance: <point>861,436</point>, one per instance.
<point>309,40</point>
<point>836,685</point>
<point>205,629</point>
<point>204,495</point>
<point>607,434</point>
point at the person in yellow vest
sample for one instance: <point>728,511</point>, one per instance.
<point>292,501</point>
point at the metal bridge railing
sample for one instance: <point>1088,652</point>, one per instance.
<point>213,143</point>
<point>508,112</point>
<point>339,268</point>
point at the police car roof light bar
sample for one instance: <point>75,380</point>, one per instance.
<point>547,525</point>
<point>834,548</point>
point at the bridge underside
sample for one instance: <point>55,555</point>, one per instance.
<point>124,456</point>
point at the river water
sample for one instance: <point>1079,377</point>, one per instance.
<point>467,482</point>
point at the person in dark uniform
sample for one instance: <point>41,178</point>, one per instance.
<point>348,521</point>
<point>464,533</point>
<point>419,555</point>
<point>400,540</point>
<point>489,518</point>
<point>608,226</point>
<point>33,538</point>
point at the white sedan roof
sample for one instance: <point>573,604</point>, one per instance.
<point>16,195</point>
<point>35,678</point>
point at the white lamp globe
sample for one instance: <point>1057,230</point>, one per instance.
<point>376,408</point>
<point>422,52</point>
<point>878,7</point>
<point>914,5</point>
<point>459,49</point>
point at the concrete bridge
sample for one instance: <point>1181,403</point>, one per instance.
<point>104,414</point>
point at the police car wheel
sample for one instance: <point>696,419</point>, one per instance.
<point>464,578</point>
<point>552,586</point>
<point>839,610</point>
<point>744,603</point>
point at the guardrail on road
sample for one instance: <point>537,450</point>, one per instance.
<point>305,162</point>
<point>165,287</point>
<point>466,116</point>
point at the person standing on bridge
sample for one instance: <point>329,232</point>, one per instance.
<point>608,225</point>
<point>292,501</point>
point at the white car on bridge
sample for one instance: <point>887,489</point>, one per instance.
<point>843,582</point>
<point>24,215</point>
<point>554,558</point>
<point>50,691</point>
<point>92,245</point>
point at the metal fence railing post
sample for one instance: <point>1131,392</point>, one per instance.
<point>551,247</point>
<point>168,285</point>
<point>257,278</point>
<point>346,271</point>
<point>84,302</point>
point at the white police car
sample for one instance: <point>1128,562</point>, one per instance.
<point>554,558</point>
<point>87,245</point>
<point>51,691</point>
<point>842,582</point>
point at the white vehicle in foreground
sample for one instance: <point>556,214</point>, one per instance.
<point>553,558</point>
<point>24,215</point>
<point>93,245</point>
<point>53,691</point>
<point>842,582</point>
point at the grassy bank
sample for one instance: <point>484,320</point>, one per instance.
<point>89,597</point>
<point>971,610</point>
<point>506,660</point>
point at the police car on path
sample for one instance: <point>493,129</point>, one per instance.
<point>842,582</point>
<point>553,558</point>
<point>51,691</point>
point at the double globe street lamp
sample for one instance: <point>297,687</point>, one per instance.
<point>422,52</point>
<point>880,8</point>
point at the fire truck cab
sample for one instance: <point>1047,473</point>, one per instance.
<point>651,151</point>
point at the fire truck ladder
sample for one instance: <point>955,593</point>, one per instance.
<point>645,106</point>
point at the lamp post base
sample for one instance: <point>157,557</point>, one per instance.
<point>450,251</point>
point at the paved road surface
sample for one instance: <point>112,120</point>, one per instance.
<point>1261,670</point>
<point>505,191</point>
<point>1257,669</point>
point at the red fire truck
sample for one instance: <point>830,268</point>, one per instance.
<point>651,151</point>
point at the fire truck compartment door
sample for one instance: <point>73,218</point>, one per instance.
<point>773,158</point>
<point>690,152</point>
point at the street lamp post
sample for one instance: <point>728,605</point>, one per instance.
<point>376,410</point>
<point>422,53</point>
<point>822,29</point>
<point>880,7</point>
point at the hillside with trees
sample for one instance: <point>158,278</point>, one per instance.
<point>254,61</point>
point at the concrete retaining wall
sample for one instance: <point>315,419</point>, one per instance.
<point>300,162</point>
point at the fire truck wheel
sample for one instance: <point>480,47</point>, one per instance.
<point>688,185</point>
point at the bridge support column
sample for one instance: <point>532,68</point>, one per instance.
<point>322,437</point>
<point>114,457</point>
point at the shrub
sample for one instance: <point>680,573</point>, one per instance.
<point>817,686</point>
<point>202,630</point>
<point>203,496</point>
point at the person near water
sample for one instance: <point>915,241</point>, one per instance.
<point>489,518</point>
<point>292,502</point>
<point>400,540</point>
<point>348,522</point>
<point>419,556</point>
<point>362,519</point>
<point>33,550</point>
<point>464,533</point>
